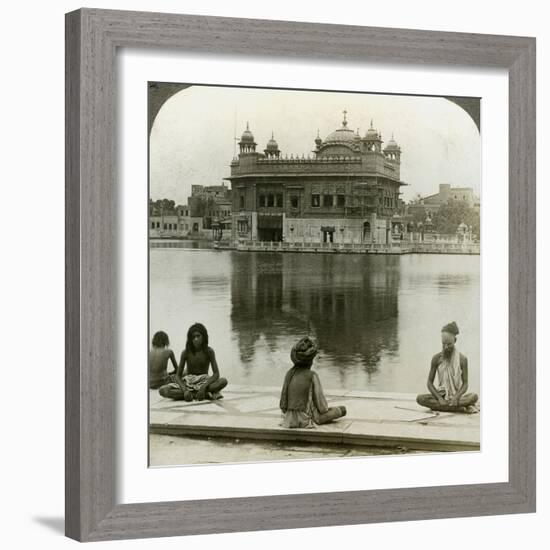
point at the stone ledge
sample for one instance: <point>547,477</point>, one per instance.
<point>373,420</point>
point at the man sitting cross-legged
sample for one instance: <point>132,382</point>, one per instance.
<point>452,371</point>
<point>192,380</point>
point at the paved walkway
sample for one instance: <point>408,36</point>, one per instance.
<point>373,419</point>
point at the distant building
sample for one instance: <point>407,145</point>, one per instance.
<point>213,204</point>
<point>190,225</point>
<point>419,215</point>
<point>172,221</point>
<point>206,215</point>
<point>348,191</point>
<point>446,194</point>
<point>163,219</point>
<point>164,226</point>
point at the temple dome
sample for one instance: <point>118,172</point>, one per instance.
<point>372,133</point>
<point>318,140</point>
<point>272,145</point>
<point>247,136</point>
<point>392,144</point>
<point>343,134</point>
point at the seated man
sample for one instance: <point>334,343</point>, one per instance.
<point>303,403</point>
<point>159,355</point>
<point>452,371</point>
<point>192,380</point>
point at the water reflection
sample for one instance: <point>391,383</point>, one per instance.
<point>377,318</point>
<point>350,304</point>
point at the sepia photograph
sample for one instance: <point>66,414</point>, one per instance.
<point>314,274</point>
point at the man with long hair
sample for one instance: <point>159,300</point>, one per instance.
<point>192,379</point>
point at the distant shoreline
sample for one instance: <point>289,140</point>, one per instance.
<point>469,249</point>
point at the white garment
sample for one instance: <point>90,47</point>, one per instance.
<point>449,374</point>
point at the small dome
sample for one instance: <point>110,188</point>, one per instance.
<point>392,144</point>
<point>272,144</point>
<point>247,136</point>
<point>372,133</point>
<point>318,139</point>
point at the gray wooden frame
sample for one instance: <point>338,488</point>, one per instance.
<point>92,39</point>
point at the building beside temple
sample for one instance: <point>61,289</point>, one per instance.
<point>206,215</point>
<point>446,195</point>
<point>347,191</point>
<point>166,219</point>
<point>213,204</point>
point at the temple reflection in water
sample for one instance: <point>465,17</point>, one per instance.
<point>348,303</point>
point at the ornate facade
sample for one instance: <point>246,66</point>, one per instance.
<point>347,191</point>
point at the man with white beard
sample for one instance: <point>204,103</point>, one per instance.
<point>451,367</point>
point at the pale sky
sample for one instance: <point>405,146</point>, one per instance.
<point>192,136</point>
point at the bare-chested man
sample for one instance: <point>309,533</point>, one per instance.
<point>159,355</point>
<point>192,380</point>
<point>452,370</point>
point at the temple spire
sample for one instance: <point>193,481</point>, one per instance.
<point>344,122</point>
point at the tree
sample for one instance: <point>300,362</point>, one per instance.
<point>167,206</point>
<point>449,216</point>
<point>418,215</point>
<point>162,206</point>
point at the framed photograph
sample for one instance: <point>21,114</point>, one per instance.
<point>292,248</point>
